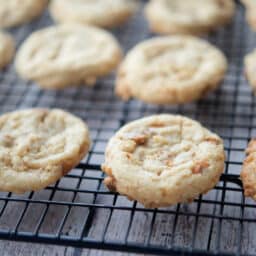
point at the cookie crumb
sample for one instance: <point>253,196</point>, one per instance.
<point>199,167</point>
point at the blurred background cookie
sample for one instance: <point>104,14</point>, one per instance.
<point>7,49</point>
<point>170,70</point>
<point>188,17</point>
<point>250,67</point>
<point>17,12</point>
<point>250,6</point>
<point>66,55</point>
<point>102,13</point>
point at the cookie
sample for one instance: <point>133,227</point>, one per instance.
<point>250,66</point>
<point>248,173</point>
<point>163,160</point>
<point>250,6</point>
<point>193,17</point>
<point>7,49</point>
<point>171,69</point>
<point>38,147</point>
<point>17,12</point>
<point>102,13</point>
<point>60,56</point>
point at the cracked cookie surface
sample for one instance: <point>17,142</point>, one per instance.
<point>163,160</point>
<point>7,49</point>
<point>17,12</point>
<point>188,17</point>
<point>175,69</point>
<point>102,13</point>
<point>38,147</point>
<point>60,56</point>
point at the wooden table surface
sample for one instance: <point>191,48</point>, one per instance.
<point>8,248</point>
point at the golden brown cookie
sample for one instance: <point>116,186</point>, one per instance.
<point>188,17</point>
<point>60,56</point>
<point>248,174</point>
<point>163,160</point>
<point>18,12</point>
<point>250,67</point>
<point>7,49</point>
<point>170,70</point>
<point>250,6</point>
<point>102,13</point>
<point>38,147</point>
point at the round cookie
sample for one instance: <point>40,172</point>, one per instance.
<point>250,66</point>
<point>248,173</point>
<point>65,55</point>
<point>38,147</point>
<point>7,49</point>
<point>250,6</point>
<point>171,69</point>
<point>163,160</point>
<point>17,12</point>
<point>102,13</point>
<point>188,17</point>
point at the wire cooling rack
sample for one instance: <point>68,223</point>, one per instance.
<point>79,211</point>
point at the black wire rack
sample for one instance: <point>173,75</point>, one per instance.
<point>79,211</point>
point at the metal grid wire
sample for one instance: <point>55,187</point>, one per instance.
<point>79,211</point>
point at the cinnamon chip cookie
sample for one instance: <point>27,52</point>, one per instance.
<point>163,160</point>
<point>250,67</point>
<point>250,6</point>
<point>38,147</point>
<point>65,55</point>
<point>188,17</point>
<point>248,174</point>
<point>7,49</point>
<point>102,13</point>
<point>173,69</point>
<point>17,12</point>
